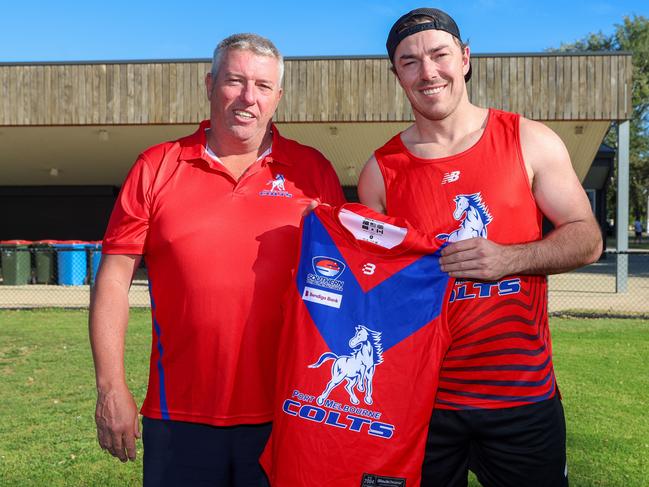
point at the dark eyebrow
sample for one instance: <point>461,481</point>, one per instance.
<point>439,48</point>
<point>407,56</point>
<point>430,51</point>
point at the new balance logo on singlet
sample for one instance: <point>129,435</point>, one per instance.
<point>450,177</point>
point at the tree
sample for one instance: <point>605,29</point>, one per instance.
<point>632,36</point>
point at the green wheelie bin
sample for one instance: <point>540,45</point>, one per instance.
<point>44,261</point>
<point>16,262</point>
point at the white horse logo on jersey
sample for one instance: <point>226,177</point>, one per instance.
<point>277,184</point>
<point>476,218</point>
<point>357,368</point>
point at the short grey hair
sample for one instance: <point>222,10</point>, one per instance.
<point>247,42</point>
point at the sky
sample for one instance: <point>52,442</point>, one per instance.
<point>38,30</point>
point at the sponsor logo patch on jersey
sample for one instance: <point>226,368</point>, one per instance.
<point>326,271</point>
<point>276,188</point>
<point>328,267</point>
<point>450,177</point>
<point>319,296</point>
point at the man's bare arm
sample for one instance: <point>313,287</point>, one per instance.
<point>576,239</point>
<point>371,187</point>
<point>116,413</point>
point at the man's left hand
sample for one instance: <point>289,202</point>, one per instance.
<point>313,204</point>
<point>476,258</point>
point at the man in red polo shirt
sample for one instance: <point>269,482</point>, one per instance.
<point>216,216</point>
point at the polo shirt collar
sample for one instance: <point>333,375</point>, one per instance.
<point>280,150</point>
<point>193,147</point>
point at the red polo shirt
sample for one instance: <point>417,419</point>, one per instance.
<point>219,253</point>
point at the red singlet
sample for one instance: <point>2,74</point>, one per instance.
<point>501,354</point>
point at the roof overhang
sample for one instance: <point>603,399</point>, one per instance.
<point>85,123</point>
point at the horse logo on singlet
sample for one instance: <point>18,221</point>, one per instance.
<point>474,216</point>
<point>357,368</point>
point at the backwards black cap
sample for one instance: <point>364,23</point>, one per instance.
<point>439,20</point>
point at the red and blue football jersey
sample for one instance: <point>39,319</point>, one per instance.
<point>360,350</point>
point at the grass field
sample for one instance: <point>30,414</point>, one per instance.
<point>47,400</point>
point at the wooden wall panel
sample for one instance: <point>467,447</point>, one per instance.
<point>543,87</point>
<point>626,92</point>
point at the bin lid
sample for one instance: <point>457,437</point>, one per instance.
<point>15,242</point>
<point>70,243</point>
<point>45,242</point>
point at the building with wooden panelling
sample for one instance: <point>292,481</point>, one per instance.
<point>70,131</point>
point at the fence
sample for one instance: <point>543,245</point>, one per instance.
<point>60,275</point>
<point>592,289</point>
<point>53,274</point>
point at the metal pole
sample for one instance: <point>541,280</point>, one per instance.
<point>646,222</point>
<point>622,217</point>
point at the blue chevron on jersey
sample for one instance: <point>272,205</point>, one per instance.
<point>383,308</point>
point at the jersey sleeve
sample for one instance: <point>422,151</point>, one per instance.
<point>129,222</point>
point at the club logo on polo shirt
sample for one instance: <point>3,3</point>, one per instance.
<point>276,187</point>
<point>473,215</point>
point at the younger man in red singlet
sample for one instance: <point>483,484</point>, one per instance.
<point>482,180</point>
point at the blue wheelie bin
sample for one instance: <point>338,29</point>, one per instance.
<point>72,263</point>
